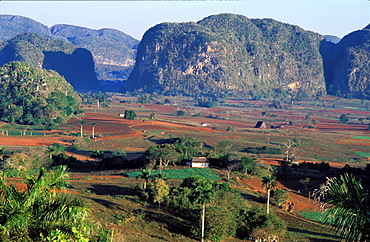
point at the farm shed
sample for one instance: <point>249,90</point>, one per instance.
<point>203,124</point>
<point>260,125</point>
<point>198,162</point>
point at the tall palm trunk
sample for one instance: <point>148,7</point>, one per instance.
<point>268,201</point>
<point>203,219</point>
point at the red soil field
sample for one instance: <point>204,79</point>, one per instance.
<point>33,140</point>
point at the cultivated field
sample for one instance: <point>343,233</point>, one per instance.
<point>315,124</point>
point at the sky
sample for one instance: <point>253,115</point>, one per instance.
<point>327,17</point>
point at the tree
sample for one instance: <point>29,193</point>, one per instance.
<point>203,194</point>
<point>97,154</point>
<point>361,120</point>
<point>259,225</point>
<point>2,150</point>
<point>160,190</point>
<point>347,207</point>
<point>153,116</point>
<point>261,169</point>
<point>290,150</point>
<point>343,118</point>
<point>180,113</point>
<point>229,169</point>
<point>229,128</point>
<point>130,114</point>
<point>246,165</point>
<point>119,153</point>
<point>305,182</point>
<point>144,98</point>
<point>82,122</point>
<point>38,211</point>
<point>55,149</point>
<point>279,196</point>
<point>146,175</point>
<point>93,129</point>
<point>7,127</point>
<point>268,183</point>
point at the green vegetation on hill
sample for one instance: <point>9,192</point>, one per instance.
<point>229,55</point>
<point>35,96</point>
<point>351,66</point>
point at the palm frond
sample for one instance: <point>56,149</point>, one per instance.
<point>348,207</point>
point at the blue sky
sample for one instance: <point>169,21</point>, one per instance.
<point>334,17</point>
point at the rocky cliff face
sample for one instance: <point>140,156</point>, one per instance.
<point>75,64</point>
<point>230,55</point>
<point>350,73</point>
<point>114,52</point>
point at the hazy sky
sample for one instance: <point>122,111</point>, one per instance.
<point>334,17</point>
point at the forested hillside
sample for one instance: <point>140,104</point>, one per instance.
<point>351,66</point>
<point>231,56</point>
<point>75,64</point>
<point>35,96</point>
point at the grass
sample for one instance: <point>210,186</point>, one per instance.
<point>314,216</point>
<point>181,173</point>
<point>302,230</point>
<point>362,154</point>
<point>361,137</point>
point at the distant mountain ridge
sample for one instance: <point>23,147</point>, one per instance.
<point>13,25</point>
<point>75,64</point>
<point>332,39</point>
<point>224,55</point>
<point>113,51</point>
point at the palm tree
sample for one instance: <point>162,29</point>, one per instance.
<point>2,150</point>
<point>348,207</point>
<point>268,183</point>
<point>37,211</point>
<point>146,175</point>
<point>202,195</point>
<point>93,129</point>
<point>55,149</point>
<point>82,122</point>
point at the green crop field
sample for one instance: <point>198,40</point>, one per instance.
<point>363,154</point>
<point>361,137</point>
<point>181,173</point>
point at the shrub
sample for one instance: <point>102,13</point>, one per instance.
<point>257,224</point>
<point>263,150</point>
<point>180,113</point>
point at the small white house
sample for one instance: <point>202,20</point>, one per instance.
<point>122,115</point>
<point>198,162</point>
